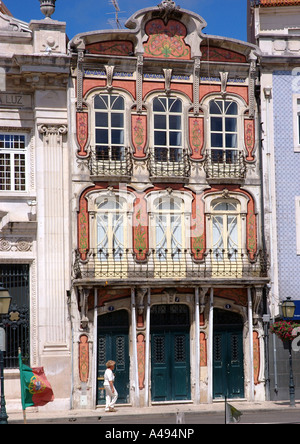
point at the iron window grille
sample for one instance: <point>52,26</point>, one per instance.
<point>15,277</point>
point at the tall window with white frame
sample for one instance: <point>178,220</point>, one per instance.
<point>108,153</point>
<point>169,228</point>
<point>225,229</point>
<point>223,131</point>
<point>13,160</point>
<point>111,228</point>
<point>167,124</point>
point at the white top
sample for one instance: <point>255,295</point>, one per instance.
<point>108,376</point>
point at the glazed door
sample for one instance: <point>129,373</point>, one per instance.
<point>170,353</point>
<point>113,345</point>
<point>228,373</point>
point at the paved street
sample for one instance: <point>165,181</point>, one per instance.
<point>288,416</point>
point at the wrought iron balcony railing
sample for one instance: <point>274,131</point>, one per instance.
<point>225,164</point>
<point>168,163</point>
<point>110,161</point>
<point>177,264</point>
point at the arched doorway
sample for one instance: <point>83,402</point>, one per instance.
<point>113,344</point>
<point>228,363</point>
<point>170,352</point>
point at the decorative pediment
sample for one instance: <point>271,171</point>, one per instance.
<point>10,24</point>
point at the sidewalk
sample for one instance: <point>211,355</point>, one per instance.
<point>43,413</point>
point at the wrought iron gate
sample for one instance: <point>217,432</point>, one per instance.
<point>15,277</point>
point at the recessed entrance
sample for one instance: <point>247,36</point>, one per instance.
<point>170,353</point>
<point>113,345</point>
<point>228,365</point>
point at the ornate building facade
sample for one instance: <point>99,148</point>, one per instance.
<point>144,234</point>
<point>169,266</point>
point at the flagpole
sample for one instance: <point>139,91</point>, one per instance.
<point>20,365</point>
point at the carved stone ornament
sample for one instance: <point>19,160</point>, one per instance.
<point>168,5</point>
<point>47,7</point>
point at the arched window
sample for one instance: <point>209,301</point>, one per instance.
<point>169,233</point>
<point>111,227</point>
<point>223,121</point>
<point>225,228</point>
<point>109,112</point>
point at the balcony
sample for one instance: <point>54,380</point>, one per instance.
<point>176,265</point>
<point>110,161</point>
<point>225,164</point>
<point>169,163</point>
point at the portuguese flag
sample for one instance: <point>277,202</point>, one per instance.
<point>35,388</point>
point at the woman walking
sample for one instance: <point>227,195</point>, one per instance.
<point>110,390</point>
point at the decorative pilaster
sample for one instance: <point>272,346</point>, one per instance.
<point>196,85</point>
<point>52,236</point>
<point>139,83</point>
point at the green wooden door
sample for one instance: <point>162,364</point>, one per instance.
<point>170,353</point>
<point>228,372</point>
<point>113,344</point>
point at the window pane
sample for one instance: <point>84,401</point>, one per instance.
<point>175,154</point>
<point>159,105</point>
<point>160,122</point>
<point>101,136</point>
<point>231,140</point>
<point>117,153</point>
<point>231,124</point>
<point>216,124</point>
<point>175,106</point>
<point>217,156</point>
<point>161,154</point>
<point>216,140</point>
<point>225,206</point>
<point>117,103</point>
<point>231,156</point>
<point>175,138</point>
<point>215,107</point>
<point>117,120</point>
<point>19,172</point>
<point>101,152</point>
<point>160,138</point>
<point>5,179</point>
<point>117,136</point>
<point>175,122</point>
<point>101,102</point>
<point>102,119</point>
<point>231,108</point>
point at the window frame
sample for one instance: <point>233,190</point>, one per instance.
<point>167,130</point>
<point>297,219</point>
<point>225,214</point>
<point>242,201</point>
<point>94,200</point>
<point>296,122</point>
<point>12,154</point>
<point>223,132</point>
<point>109,111</point>
<point>185,212</point>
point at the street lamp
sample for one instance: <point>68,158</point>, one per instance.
<point>5,299</point>
<point>288,310</point>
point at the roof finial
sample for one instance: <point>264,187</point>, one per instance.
<point>47,7</point>
<point>170,5</point>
